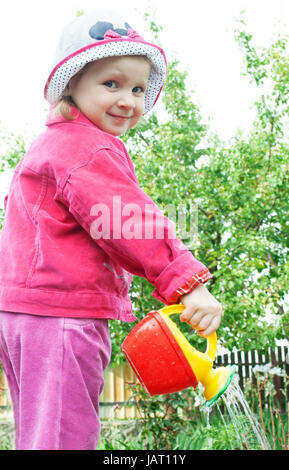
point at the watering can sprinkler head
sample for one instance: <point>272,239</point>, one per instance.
<point>217,383</point>
<point>165,362</point>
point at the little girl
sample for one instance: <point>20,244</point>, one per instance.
<point>67,250</point>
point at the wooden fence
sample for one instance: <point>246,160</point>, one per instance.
<point>248,361</point>
<point>5,401</point>
<point>113,400</point>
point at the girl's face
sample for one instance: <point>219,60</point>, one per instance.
<point>111,92</point>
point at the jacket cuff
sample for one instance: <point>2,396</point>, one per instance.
<point>200,278</point>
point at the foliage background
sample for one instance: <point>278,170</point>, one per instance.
<point>240,188</point>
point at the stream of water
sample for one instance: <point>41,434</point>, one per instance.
<point>243,428</point>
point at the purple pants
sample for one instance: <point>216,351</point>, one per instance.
<point>54,367</point>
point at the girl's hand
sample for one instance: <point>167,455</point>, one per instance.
<point>202,311</point>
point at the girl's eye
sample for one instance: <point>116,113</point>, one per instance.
<point>137,89</point>
<point>110,84</point>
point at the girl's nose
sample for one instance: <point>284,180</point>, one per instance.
<point>126,100</point>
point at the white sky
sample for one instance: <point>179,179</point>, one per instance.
<point>200,33</point>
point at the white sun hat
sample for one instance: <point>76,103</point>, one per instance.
<point>97,35</point>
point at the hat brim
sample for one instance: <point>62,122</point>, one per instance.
<point>71,65</point>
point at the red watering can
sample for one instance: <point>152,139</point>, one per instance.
<point>165,362</point>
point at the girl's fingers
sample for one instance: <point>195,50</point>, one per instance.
<point>187,314</point>
<point>204,323</point>
<point>213,326</point>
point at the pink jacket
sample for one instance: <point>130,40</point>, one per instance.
<point>53,261</point>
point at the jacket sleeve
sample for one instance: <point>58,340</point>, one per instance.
<point>105,198</point>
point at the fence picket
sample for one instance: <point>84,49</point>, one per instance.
<point>240,370</point>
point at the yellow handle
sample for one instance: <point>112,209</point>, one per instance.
<point>211,340</point>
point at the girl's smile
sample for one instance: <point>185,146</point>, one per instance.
<point>111,92</point>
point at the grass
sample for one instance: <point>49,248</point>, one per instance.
<point>196,435</point>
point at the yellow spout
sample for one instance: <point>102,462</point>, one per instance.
<point>215,381</point>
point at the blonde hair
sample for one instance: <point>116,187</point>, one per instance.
<point>63,108</point>
<point>64,105</point>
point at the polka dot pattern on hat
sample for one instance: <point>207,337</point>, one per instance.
<point>68,68</point>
